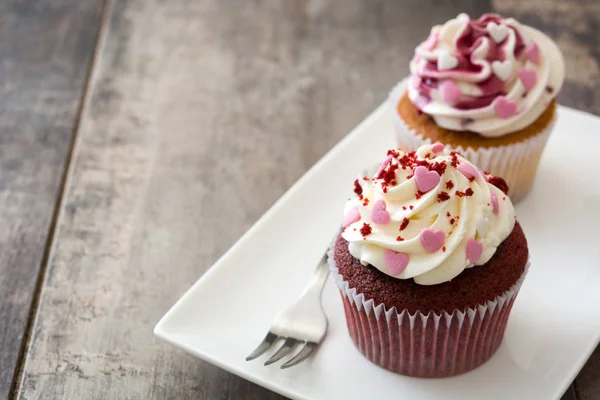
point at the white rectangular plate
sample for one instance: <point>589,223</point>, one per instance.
<point>554,326</point>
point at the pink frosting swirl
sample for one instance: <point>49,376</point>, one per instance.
<point>490,75</point>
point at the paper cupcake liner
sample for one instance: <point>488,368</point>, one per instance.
<point>516,162</point>
<point>428,345</point>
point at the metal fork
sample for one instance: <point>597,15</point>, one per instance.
<point>302,322</point>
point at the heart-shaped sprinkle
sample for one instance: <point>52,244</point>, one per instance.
<point>425,179</point>
<point>474,250</point>
<point>395,262</point>
<point>449,91</point>
<point>383,165</point>
<point>497,32</point>
<point>352,216</point>
<point>437,147</point>
<point>379,214</point>
<point>502,69</point>
<point>533,53</point>
<point>432,239</point>
<point>504,107</point>
<point>528,77</point>
<point>446,60</point>
<point>431,41</point>
<point>494,201</point>
<point>468,171</point>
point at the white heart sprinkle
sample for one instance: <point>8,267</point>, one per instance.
<point>497,32</point>
<point>502,69</point>
<point>446,60</point>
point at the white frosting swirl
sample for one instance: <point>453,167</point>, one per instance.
<point>473,107</point>
<point>461,218</point>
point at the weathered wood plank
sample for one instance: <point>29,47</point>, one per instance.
<point>574,25</point>
<point>45,51</point>
<point>201,114</point>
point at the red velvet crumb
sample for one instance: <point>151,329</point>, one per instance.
<point>400,238</point>
<point>499,183</point>
<point>439,167</point>
<point>393,153</point>
<point>452,221</point>
<point>357,188</point>
<point>449,185</point>
<point>469,192</point>
<point>404,224</point>
<point>443,196</point>
<point>454,159</point>
<point>444,249</point>
<point>389,174</point>
<point>366,229</point>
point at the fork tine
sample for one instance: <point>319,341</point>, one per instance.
<point>283,351</point>
<point>263,346</point>
<point>308,349</point>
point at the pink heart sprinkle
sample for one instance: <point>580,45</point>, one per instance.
<point>468,170</point>
<point>437,147</point>
<point>379,214</point>
<point>395,262</point>
<point>528,77</point>
<point>425,179</point>
<point>474,250</point>
<point>432,239</point>
<point>383,165</point>
<point>533,53</point>
<point>352,216</point>
<point>504,107</point>
<point>494,201</point>
<point>449,91</point>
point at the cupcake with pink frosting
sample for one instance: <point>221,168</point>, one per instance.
<point>485,88</point>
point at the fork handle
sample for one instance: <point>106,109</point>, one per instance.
<point>315,287</point>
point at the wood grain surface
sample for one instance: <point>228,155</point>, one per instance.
<point>45,49</point>
<point>199,115</point>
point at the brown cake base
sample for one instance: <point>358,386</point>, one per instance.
<point>426,126</point>
<point>473,286</point>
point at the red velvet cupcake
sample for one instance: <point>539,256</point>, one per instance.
<point>429,263</point>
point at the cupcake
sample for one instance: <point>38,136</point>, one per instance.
<point>485,88</point>
<point>428,263</point>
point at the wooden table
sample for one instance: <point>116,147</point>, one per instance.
<point>140,138</point>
